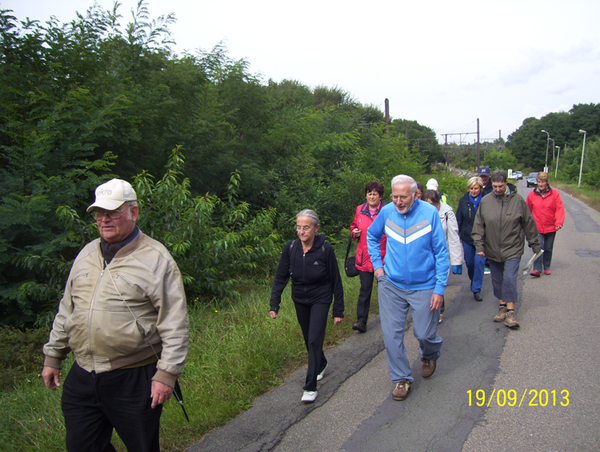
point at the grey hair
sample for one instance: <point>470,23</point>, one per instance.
<point>404,179</point>
<point>499,176</point>
<point>309,213</point>
<point>130,204</point>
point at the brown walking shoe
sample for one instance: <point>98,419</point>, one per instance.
<point>401,390</point>
<point>511,320</point>
<point>501,314</point>
<point>428,367</point>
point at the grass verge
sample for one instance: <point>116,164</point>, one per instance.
<point>588,195</point>
<point>236,354</point>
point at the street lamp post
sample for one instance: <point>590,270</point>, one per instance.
<point>557,160</point>
<point>553,151</point>
<point>547,144</point>
<point>582,155</point>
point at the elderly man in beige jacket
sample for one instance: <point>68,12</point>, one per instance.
<point>124,317</point>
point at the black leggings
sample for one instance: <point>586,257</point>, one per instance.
<point>313,321</point>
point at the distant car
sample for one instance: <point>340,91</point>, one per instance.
<point>519,175</point>
<point>532,179</point>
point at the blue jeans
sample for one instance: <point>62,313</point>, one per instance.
<point>475,265</point>
<point>504,279</point>
<point>546,243</point>
<point>393,308</point>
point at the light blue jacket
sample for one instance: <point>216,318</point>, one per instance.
<point>416,251</point>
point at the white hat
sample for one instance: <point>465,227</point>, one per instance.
<point>432,184</point>
<point>113,194</point>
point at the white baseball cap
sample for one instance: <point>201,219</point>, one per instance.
<point>113,194</point>
<point>432,184</point>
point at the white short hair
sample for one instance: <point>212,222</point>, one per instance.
<point>404,179</point>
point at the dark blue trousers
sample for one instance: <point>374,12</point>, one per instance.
<point>546,243</point>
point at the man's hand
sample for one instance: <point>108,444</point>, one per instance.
<point>481,254</point>
<point>436,301</point>
<point>379,272</point>
<point>273,314</point>
<point>337,320</point>
<point>160,393</point>
<point>51,377</point>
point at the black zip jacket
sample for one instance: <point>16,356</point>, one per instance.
<point>315,276</point>
<point>465,216</point>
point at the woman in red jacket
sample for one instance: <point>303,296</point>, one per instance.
<point>365,214</point>
<point>549,214</point>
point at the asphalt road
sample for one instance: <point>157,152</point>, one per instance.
<point>522,375</point>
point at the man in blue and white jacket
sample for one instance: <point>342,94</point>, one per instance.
<point>414,275</point>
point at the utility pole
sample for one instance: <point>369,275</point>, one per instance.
<point>387,116</point>
<point>446,147</point>
<point>477,159</point>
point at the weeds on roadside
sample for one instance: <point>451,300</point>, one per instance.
<point>237,352</point>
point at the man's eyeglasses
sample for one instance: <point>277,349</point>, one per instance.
<point>401,197</point>
<point>111,214</point>
<point>303,228</point>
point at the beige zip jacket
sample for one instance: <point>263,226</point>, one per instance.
<point>96,318</point>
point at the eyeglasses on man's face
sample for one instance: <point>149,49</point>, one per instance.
<point>303,228</point>
<point>402,198</point>
<point>111,214</point>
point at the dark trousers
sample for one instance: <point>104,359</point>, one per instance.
<point>93,404</point>
<point>313,321</point>
<point>546,243</point>
<point>364,296</point>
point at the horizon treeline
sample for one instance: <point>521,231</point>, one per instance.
<point>528,144</point>
<point>88,100</point>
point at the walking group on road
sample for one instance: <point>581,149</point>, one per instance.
<point>410,246</point>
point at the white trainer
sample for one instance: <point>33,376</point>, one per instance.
<point>309,396</point>
<point>322,374</point>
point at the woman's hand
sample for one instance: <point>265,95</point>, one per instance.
<point>337,320</point>
<point>356,232</point>
<point>273,314</point>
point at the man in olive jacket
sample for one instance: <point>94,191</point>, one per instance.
<point>502,223</point>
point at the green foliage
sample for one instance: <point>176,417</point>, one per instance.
<point>20,354</point>
<point>219,245</point>
<point>500,159</point>
<point>529,144</point>
<point>83,100</point>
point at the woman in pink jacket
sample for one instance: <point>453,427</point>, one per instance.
<point>549,214</point>
<point>365,214</point>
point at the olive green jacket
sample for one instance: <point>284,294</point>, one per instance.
<point>501,225</point>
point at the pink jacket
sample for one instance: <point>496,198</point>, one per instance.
<point>362,221</point>
<point>547,209</point>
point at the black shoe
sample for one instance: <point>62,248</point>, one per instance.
<point>360,327</point>
<point>477,296</point>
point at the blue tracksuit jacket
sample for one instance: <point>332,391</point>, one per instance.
<point>416,251</point>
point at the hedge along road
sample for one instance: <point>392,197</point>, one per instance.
<point>485,372</point>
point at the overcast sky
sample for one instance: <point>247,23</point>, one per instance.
<point>439,62</point>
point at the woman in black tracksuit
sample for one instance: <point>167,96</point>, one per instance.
<point>311,264</point>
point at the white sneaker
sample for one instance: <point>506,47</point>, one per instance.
<point>322,374</point>
<point>309,396</point>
